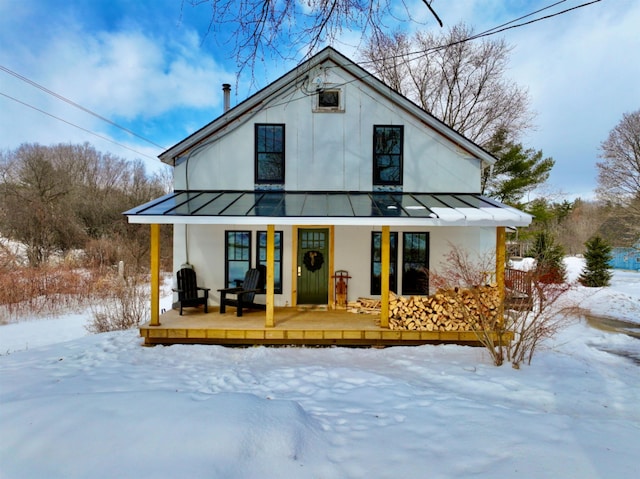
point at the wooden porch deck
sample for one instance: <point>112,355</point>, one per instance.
<point>292,327</point>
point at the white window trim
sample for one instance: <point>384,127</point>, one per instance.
<point>341,96</point>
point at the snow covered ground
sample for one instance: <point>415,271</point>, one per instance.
<point>74,405</point>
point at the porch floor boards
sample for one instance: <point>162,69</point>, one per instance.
<point>292,327</point>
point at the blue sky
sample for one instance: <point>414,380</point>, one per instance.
<point>150,66</point>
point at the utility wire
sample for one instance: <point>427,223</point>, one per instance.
<point>492,31</point>
<point>489,32</point>
<point>525,16</point>
<point>416,55</point>
<point>76,126</point>
<point>72,103</point>
<point>546,17</point>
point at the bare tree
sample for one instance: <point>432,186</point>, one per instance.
<point>460,82</point>
<point>291,28</point>
<point>619,172</point>
<point>35,192</point>
<point>60,197</point>
<point>581,223</point>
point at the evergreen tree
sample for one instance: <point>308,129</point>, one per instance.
<point>518,171</point>
<point>597,272</point>
<point>549,256</point>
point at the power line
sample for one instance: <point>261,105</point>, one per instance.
<point>546,17</point>
<point>415,55</point>
<point>72,103</point>
<point>76,126</point>
<point>492,31</point>
<point>489,32</point>
<point>526,16</point>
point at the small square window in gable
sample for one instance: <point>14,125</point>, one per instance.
<point>329,100</point>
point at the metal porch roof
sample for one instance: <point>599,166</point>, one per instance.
<point>327,208</point>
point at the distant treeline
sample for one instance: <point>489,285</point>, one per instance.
<point>63,198</point>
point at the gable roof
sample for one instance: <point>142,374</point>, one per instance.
<point>243,111</point>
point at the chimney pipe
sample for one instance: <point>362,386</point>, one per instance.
<point>226,88</point>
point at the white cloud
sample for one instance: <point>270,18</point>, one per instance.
<point>581,69</point>
<point>159,80</point>
<point>129,76</point>
<point>582,76</point>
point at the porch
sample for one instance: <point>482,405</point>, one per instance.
<point>293,326</point>
<point>344,221</point>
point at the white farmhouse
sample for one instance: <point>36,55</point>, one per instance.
<point>326,169</point>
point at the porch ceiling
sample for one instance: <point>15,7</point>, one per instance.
<point>327,208</point>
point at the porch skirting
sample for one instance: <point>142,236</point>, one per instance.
<point>292,327</point>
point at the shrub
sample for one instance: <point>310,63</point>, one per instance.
<point>514,334</point>
<point>124,305</point>
<point>43,290</point>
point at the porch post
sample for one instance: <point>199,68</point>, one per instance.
<point>270,320</point>
<point>501,240</point>
<point>155,275</point>
<point>384,279</point>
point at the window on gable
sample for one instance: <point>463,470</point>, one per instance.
<point>387,154</point>
<point>262,257</point>
<point>376,262</point>
<point>269,140</point>
<point>415,263</point>
<point>329,99</point>
<point>237,256</point>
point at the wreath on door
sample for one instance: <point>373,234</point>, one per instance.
<point>313,260</point>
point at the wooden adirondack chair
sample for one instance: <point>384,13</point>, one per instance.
<point>244,295</point>
<point>189,291</point>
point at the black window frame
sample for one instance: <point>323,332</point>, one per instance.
<point>415,283</point>
<point>277,261</point>
<point>232,282</point>
<point>376,252</point>
<point>378,155</point>
<point>261,148</point>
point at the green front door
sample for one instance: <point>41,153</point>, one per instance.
<point>313,266</point>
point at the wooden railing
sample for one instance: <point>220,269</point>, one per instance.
<point>517,280</point>
<point>519,285</point>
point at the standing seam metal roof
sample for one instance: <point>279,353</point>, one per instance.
<point>328,207</point>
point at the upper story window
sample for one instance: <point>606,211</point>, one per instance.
<point>387,154</point>
<point>329,100</point>
<point>269,167</point>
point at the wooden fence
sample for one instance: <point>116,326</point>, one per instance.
<point>519,285</point>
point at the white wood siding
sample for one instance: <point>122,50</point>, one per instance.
<point>331,151</point>
<point>352,253</point>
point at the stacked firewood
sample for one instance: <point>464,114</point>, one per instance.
<point>451,310</point>
<point>364,305</point>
